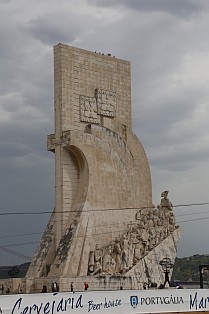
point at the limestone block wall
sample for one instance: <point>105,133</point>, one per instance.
<point>79,72</point>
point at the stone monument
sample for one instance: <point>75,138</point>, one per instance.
<point>104,228</point>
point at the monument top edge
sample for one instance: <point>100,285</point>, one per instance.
<point>107,55</point>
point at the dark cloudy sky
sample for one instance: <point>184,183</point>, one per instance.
<point>166,42</point>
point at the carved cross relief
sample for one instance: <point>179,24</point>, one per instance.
<point>103,104</point>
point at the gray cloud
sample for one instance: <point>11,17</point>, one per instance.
<point>50,28</point>
<point>180,8</point>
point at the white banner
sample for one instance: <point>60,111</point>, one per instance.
<point>122,301</point>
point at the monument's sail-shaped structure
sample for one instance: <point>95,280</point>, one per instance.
<point>104,228</point>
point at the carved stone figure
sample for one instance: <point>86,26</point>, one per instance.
<point>172,222</point>
<point>95,261</point>
<point>125,253</point>
<point>117,255</point>
<point>165,203</point>
<point>97,268</point>
<point>152,238</point>
<point>108,265</point>
<point>138,249</point>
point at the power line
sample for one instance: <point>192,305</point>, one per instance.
<point>18,244</point>
<point>189,214</point>
<point>192,204</point>
<point>98,210</point>
<point>204,218</point>
<point>38,233</point>
<point>28,213</point>
<point>19,235</point>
